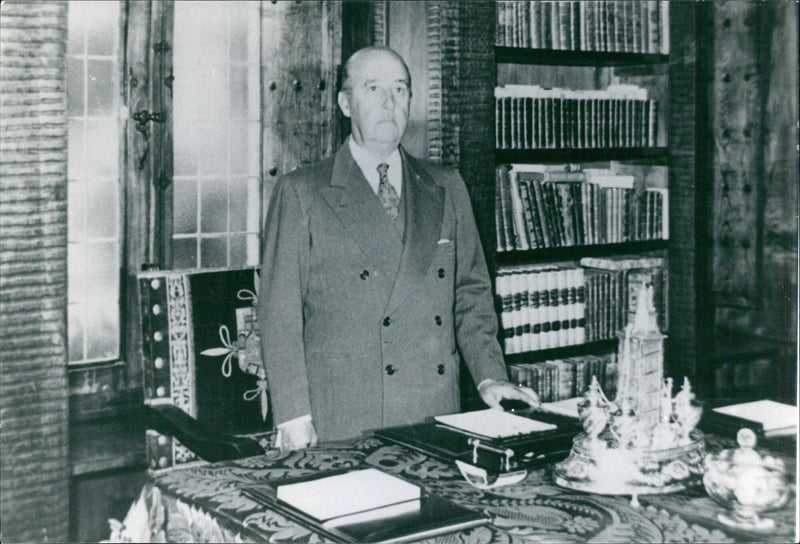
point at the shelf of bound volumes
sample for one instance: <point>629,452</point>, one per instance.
<point>564,377</point>
<point>541,206</point>
<point>623,26</point>
<point>570,252</point>
<point>532,117</point>
<point>555,57</point>
<point>555,305</point>
<point>577,155</point>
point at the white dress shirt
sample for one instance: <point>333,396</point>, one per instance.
<point>369,166</point>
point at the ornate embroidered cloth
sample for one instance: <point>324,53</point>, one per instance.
<point>204,504</point>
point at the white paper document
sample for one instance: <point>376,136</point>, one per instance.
<point>348,493</point>
<point>566,407</point>
<point>491,423</point>
<point>775,417</point>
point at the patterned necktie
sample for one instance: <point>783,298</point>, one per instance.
<point>386,193</point>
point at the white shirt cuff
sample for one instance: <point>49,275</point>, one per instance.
<point>302,419</point>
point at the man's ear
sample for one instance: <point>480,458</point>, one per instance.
<point>344,103</point>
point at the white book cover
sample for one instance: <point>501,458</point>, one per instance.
<point>773,416</point>
<point>346,494</point>
<point>492,423</point>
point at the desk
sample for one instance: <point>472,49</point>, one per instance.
<point>203,504</point>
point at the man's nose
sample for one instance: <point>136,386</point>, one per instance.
<point>388,99</point>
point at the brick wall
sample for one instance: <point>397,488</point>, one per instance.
<point>34,473</point>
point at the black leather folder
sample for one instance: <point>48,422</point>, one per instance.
<point>429,516</point>
<point>530,451</point>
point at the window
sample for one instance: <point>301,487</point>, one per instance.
<point>215,190</point>
<point>93,231</point>
<point>217,126</point>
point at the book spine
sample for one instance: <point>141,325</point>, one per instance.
<point>503,289</point>
<point>520,232</point>
<point>526,213</point>
<point>508,229</point>
<point>498,212</point>
<point>532,281</point>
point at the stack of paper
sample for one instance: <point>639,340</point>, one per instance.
<point>777,419</point>
<point>494,424</point>
<point>566,407</point>
<point>349,493</point>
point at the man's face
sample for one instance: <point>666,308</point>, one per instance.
<point>377,101</point>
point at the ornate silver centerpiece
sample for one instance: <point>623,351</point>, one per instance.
<point>644,441</point>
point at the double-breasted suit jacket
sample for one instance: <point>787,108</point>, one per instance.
<point>361,327</point>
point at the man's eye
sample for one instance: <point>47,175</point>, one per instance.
<point>372,88</point>
<point>400,89</point>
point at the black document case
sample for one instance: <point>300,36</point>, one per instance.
<point>532,450</point>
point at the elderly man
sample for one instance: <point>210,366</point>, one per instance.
<point>374,279</point>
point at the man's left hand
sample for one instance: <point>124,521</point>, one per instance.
<point>492,392</point>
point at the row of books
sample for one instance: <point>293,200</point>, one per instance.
<point>532,117</point>
<point>614,25</point>
<point>567,378</point>
<point>541,306</point>
<point>553,305</point>
<point>611,296</point>
<point>558,205</point>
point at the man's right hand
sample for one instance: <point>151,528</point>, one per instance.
<point>296,435</point>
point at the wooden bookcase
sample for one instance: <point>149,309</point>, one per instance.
<point>587,70</point>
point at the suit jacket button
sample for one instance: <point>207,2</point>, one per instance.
<point>438,320</point>
<point>441,272</point>
<point>386,321</point>
<point>390,369</point>
<point>440,369</point>
<point>364,274</point>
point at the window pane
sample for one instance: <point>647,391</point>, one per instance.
<point>102,328</point>
<point>102,147</point>
<point>239,205</point>
<point>76,258</point>
<point>101,87</point>
<point>101,216</point>
<point>238,89</point>
<point>76,151</point>
<point>102,32</point>
<point>75,77</point>
<point>186,146</point>
<point>238,248</point>
<point>185,206</point>
<point>214,206</point>
<point>213,252</point>
<point>184,253</point>
<point>77,327</point>
<point>213,155</point>
<point>76,210</point>
<point>244,250</point>
<point>103,269</point>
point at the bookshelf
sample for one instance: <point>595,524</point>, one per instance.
<point>582,67</point>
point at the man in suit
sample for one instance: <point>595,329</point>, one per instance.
<point>374,279</point>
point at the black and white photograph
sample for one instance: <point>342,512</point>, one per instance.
<point>379,271</point>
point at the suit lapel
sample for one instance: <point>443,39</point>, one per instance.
<point>357,207</point>
<point>424,212</point>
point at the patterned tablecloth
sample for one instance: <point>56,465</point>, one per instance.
<point>204,504</point>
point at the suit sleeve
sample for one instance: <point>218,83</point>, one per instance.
<point>475,318</point>
<point>280,303</point>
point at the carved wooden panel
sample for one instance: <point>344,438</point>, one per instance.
<point>300,55</point>
<point>736,118</point>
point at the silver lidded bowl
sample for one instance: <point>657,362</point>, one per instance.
<point>747,480</point>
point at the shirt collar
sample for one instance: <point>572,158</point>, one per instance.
<point>369,164</point>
